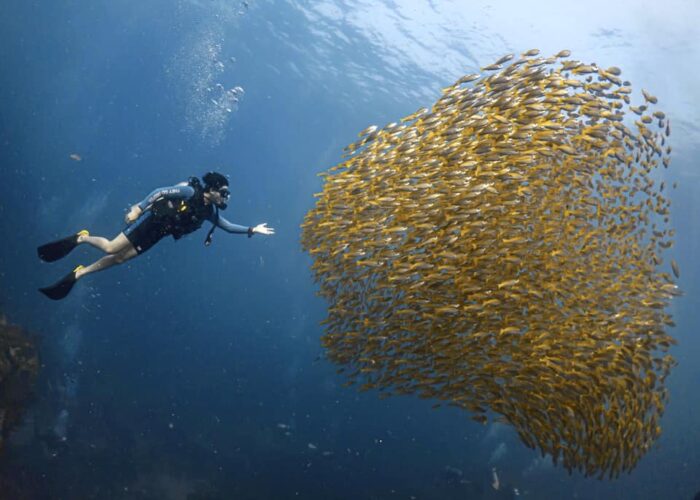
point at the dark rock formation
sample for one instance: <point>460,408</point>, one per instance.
<point>19,366</point>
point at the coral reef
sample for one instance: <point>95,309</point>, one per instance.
<point>19,366</point>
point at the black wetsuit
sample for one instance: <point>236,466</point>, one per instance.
<point>150,228</point>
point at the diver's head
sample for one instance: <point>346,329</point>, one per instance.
<point>216,188</point>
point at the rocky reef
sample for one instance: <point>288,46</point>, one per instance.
<point>19,366</point>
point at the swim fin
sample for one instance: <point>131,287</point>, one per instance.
<point>61,288</point>
<point>55,250</point>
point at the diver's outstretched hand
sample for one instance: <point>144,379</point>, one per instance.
<point>263,229</point>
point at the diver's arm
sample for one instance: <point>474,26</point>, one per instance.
<point>230,227</point>
<point>178,191</point>
<point>172,192</point>
<point>235,228</point>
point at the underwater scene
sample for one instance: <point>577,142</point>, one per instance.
<point>342,249</point>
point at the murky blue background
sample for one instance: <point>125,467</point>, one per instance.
<point>193,372</point>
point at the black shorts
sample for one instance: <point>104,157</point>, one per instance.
<point>145,233</point>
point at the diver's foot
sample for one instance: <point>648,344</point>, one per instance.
<point>62,288</point>
<point>78,271</point>
<point>81,235</point>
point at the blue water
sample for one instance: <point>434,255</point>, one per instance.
<point>197,373</point>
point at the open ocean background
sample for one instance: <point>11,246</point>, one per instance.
<point>197,373</point>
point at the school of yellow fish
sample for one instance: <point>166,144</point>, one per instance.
<point>502,252</point>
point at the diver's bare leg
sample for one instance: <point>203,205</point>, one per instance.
<point>127,253</point>
<point>107,246</point>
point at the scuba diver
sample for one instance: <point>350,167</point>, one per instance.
<point>177,210</point>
